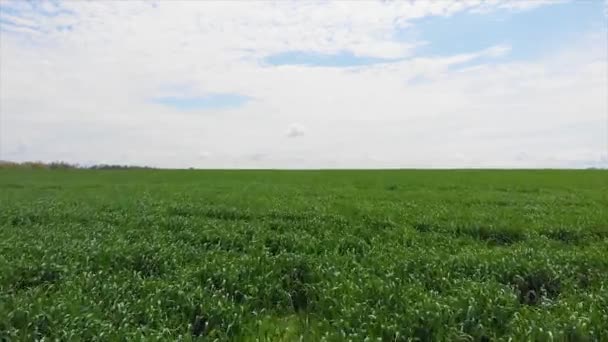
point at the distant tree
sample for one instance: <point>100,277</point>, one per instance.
<point>61,165</point>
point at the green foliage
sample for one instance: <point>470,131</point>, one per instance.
<point>303,255</point>
<point>61,165</point>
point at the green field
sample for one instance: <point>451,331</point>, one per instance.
<point>312,255</point>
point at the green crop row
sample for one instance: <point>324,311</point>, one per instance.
<point>290,256</point>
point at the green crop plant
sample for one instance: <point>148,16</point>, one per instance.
<point>303,255</point>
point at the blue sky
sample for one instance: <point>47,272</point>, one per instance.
<point>42,8</point>
<point>529,34</point>
<point>525,35</point>
<point>306,84</point>
<point>340,59</point>
<point>205,102</point>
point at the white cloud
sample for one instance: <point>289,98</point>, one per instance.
<point>497,51</point>
<point>84,93</point>
<point>516,5</point>
<point>295,130</point>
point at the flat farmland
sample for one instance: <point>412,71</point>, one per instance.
<point>419,255</point>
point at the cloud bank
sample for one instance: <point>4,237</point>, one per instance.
<point>156,83</point>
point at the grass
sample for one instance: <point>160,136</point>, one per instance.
<point>303,255</point>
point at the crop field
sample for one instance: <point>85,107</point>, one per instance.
<point>303,255</point>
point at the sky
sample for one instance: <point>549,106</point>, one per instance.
<point>306,84</point>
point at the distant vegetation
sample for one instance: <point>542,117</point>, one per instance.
<point>304,255</point>
<point>63,165</point>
